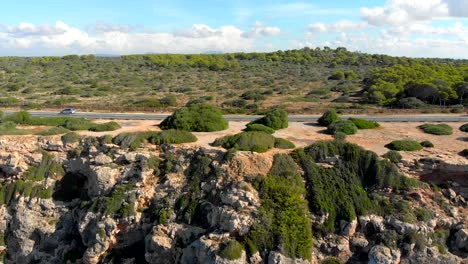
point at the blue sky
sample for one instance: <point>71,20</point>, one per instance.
<point>420,28</point>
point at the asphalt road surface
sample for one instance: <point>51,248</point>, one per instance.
<point>292,118</point>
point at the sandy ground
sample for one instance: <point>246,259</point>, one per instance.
<point>303,134</point>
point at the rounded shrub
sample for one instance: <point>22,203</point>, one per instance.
<point>464,128</point>
<point>247,141</point>
<point>282,143</point>
<point>232,250</point>
<point>109,126</point>
<point>347,127</point>
<point>70,137</point>
<point>171,136</point>
<point>329,117</point>
<point>404,145</point>
<point>436,129</point>
<point>364,124</point>
<point>275,119</point>
<point>393,156</point>
<point>259,127</point>
<point>196,117</point>
<point>340,136</point>
<point>427,144</point>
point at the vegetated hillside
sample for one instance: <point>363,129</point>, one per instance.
<point>90,201</point>
<point>305,80</point>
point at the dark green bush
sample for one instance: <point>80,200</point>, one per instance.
<point>131,141</point>
<point>436,129</point>
<point>232,250</point>
<point>393,156</point>
<point>427,144</point>
<point>457,109</point>
<point>247,141</point>
<point>259,127</point>
<point>464,128</point>
<point>464,152</point>
<point>404,145</point>
<point>53,131</point>
<point>171,136</point>
<point>275,119</point>
<point>282,143</point>
<point>197,117</point>
<point>328,118</point>
<point>283,222</point>
<point>339,136</point>
<point>331,260</point>
<point>364,124</point>
<point>77,124</point>
<point>411,103</point>
<point>109,126</point>
<point>47,168</point>
<point>70,137</point>
<point>345,126</point>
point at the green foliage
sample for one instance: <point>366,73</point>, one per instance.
<point>283,223</point>
<point>464,128</point>
<point>259,127</point>
<point>411,103</point>
<point>232,250</point>
<point>347,127</point>
<point>437,129</point>
<point>131,141</point>
<point>197,117</point>
<point>364,124</point>
<point>338,75</point>
<point>109,126</point>
<point>47,168</point>
<point>119,204</point>
<point>53,131</point>
<point>464,153</point>
<point>28,189</point>
<point>393,156</point>
<point>423,214</point>
<point>247,141</point>
<point>339,136</point>
<point>427,144</point>
<point>331,260</point>
<point>282,143</point>
<point>70,138</point>
<point>275,119</point>
<point>457,109</point>
<point>171,136</point>
<point>328,118</point>
<point>9,128</point>
<point>404,145</point>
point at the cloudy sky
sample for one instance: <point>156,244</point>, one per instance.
<point>417,28</point>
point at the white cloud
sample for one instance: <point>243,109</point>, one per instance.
<point>61,38</point>
<point>261,30</point>
<point>340,26</point>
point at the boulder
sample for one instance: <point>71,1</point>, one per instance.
<point>383,255</point>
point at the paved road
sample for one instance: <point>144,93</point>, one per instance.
<point>292,118</point>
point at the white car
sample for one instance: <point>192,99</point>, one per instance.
<point>68,111</point>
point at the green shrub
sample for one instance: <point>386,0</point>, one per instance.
<point>404,145</point>
<point>275,119</point>
<point>22,117</point>
<point>247,141</point>
<point>457,109</point>
<point>411,103</point>
<point>339,136</point>
<point>197,117</point>
<point>364,124</point>
<point>9,128</point>
<point>393,156</point>
<point>328,118</point>
<point>427,144</point>
<point>53,131</point>
<point>109,126</point>
<point>171,136</point>
<point>77,124</point>
<point>282,143</point>
<point>423,214</point>
<point>436,129</point>
<point>106,139</point>
<point>464,128</point>
<point>259,127</point>
<point>131,141</point>
<point>464,153</point>
<point>347,127</point>
<point>331,260</point>
<point>70,137</point>
<point>232,250</point>
<point>48,168</point>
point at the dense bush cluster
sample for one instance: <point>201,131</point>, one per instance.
<point>275,119</point>
<point>197,117</point>
<point>283,223</point>
<point>347,127</point>
<point>393,156</point>
<point>134,140</point>
<point>328,118</point>
<point>427,144</point>
<point>364,124</point>
<point>437,129</point>
<point>404,145</point>
<point>259,127</point>
<point>464,128</point>
<point>256,141</point>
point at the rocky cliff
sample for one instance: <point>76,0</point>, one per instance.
<point>92,202</point>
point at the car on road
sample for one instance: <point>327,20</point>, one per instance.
<point>68,111</point>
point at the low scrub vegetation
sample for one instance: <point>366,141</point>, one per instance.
<point>347,127</point>
<point>436,129</point>
<point>247,141</point>
<point>364,124</point>
<point>70,138</point>
<point>464,128</point>
<point>393,156</point>
<point>282,143</point>
<point>404,145</point>
<point>275,119</point>
<point>9,128</point>
<point>259,127</point>
<point>196,117</point>
<point>329,117</point>
<point>232,250</point>
<point>427,144</point>
<point>53,131</point>
<point>134,140</point>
